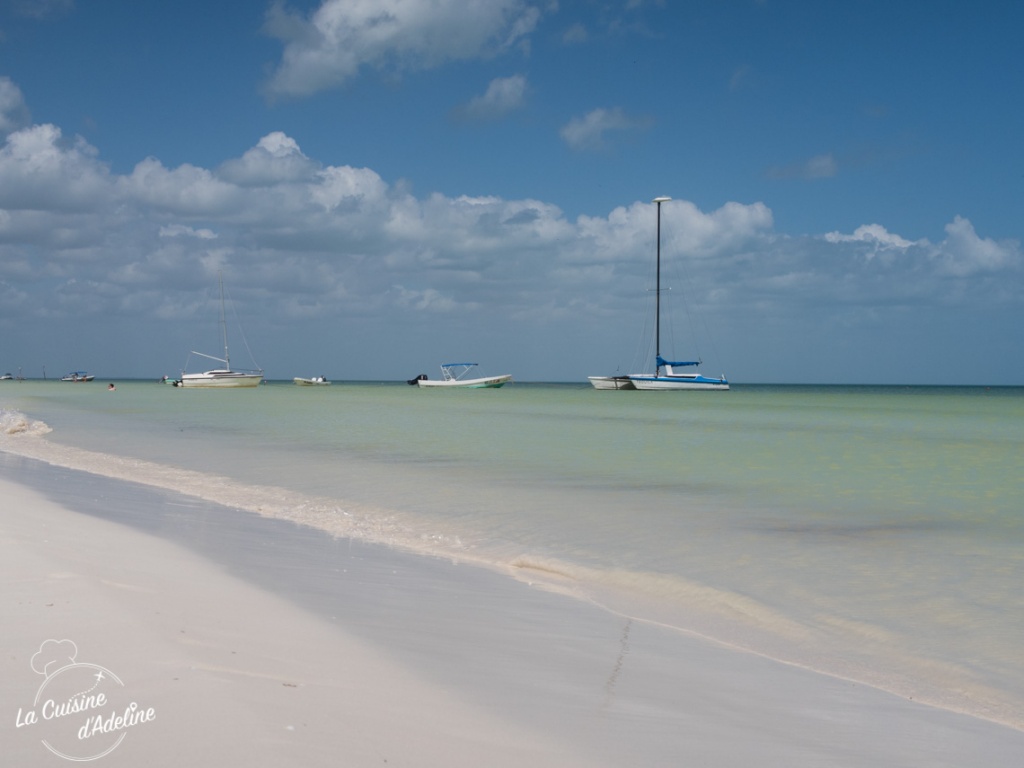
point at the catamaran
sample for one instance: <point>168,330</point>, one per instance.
<point>220,377</point>
<point>665,377</point>
<point>611,382</point>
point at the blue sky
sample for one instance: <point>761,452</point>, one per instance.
<point>391,184</point>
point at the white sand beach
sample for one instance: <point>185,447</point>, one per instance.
<point>259,642</point>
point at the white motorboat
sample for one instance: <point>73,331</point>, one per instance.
<point>78,376</point>
<point>316,381</point>
<point>452,376</point>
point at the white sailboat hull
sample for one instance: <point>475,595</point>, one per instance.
<point>220,380</point>
<point>666,383</point>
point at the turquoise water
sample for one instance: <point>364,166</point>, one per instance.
<point>872,533</point>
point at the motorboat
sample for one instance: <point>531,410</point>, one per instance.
<point>453,375</point>
<point>77,376</point>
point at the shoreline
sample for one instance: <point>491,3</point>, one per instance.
<point>414,659</point>
<point>727,619</point>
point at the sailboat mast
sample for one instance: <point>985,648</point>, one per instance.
<point>657,293</point>
<point>224,321</point>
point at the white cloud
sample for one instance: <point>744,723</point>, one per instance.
<point>504,95</point>
<point>186,190</point>
<point>589,132</point>
<point>686,230</point>
<point>880,240</point>
<point>40,171</point>
<point>277,213</point>
<point>428,300</point>
<point>180,230</point>
<point>276,158</point>
<point>963,253</point>
<point>14,113</point>
<point>340,37</point>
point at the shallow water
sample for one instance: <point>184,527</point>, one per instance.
<point>869,532</point>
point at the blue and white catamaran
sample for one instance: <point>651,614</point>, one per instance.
<point>665,377</point>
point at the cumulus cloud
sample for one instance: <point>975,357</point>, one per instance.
<point>686,230</point>
<point>963,253</point>
<point>503,95</point>
<point>180,230</point>
<point>276,158</point>
<point>185,190</point>
<point>877,237</point>
<point>335,41</point>
<point>40,171</point>
<point>14,114</point>
<point>590,131</point>
<point>277,213</point>
<point>429,300</point>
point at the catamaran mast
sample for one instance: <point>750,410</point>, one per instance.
<point>657,294</point>
<point>224,321</point>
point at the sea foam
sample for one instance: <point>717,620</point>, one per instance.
<point>15,423</point>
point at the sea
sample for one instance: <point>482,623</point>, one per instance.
<point>875,534</point>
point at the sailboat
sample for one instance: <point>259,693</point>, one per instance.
<point>665,377</point>
<point>220,377</point>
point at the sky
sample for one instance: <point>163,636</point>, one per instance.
<point>388,185</point>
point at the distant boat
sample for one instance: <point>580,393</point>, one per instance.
<point>220,377</point>
<point>452,376</point>
<point>316,381</point>
<point>6,377</point>
<point>78,376</point>
<point>611,382</point>
<point>665,376</point>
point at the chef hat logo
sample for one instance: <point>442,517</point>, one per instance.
<point>53,655</point>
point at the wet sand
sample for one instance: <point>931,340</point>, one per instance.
<point>259,642</point>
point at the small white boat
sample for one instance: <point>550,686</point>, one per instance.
<point>316,381</point>
<point>78,376</point>
<point>611,382</point>
<point>6,377</point>
<point>452,376</point>
<point>220,378</point>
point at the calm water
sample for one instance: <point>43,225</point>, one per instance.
<point>872,533</point>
